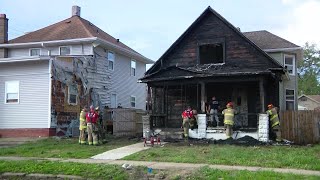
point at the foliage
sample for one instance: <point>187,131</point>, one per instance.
<point>208,173</point>
<point>63,148</point>
<point>309,70</point>
<point>300,157</point>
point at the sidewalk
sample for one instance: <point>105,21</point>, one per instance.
<point>122,152</point>
<point>169,165</point>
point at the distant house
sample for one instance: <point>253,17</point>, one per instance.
<point>47,75</point>
<point>214,58</point>
<point>310,102</point>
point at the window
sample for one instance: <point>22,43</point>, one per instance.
<point>211,53</point>
<point>64,50</point>
<point>289,63</point>
<point>290,99</point>
<point>133,101</point>
<point>72,94</point>
<point>133,68</point>
<point>35,52</point>
<point>11,92</point>
<point>110,59</point>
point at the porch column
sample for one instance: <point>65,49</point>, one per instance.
<point>203,97</point>
<point>262,95</point>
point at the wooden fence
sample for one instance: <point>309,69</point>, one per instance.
<point>126,122</point>
<point>301,127</point>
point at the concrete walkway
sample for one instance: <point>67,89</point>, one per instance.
<point>122,152</point>
<point>169,165</point>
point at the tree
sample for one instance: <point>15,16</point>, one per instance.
<point>309,70</point>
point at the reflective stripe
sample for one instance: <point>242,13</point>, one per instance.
<point>274,116</point>
<point>275,123</point>
<point>229,114</point>
<point>230,122</point>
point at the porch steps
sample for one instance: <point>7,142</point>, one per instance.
<point>171,133</point>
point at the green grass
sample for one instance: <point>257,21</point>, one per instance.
<point>102,171</point>
<point>63,148</point>
<point>96,171</point>
<point>207,173</point>
<point>264,156</point>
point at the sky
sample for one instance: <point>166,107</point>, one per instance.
<point>150,27</point>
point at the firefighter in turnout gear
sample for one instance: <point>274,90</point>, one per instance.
<point>274,121</point>
<point>92,118</point>
<point>83,125</point>
<point>229,119</point>
<point>186,115</point>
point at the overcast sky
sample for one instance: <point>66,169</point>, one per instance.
<point>150,27</point>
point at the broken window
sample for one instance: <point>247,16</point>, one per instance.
<point>110,58</point>
<point>211,53</point>
<point>133,68</point>
<point>289,99</point>
<point>64,50</point>
<point>289,63</point>
<point>72,94</point>
<point>133,101</point>
<point>12,92</point>
<point>35,52</point>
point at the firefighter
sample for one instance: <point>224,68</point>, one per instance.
<point>274,121</point>
<point>92,118</point>
<point>228,119</point>
<point>83,125</point>
<point>186,115</point>
<point>213,110</point>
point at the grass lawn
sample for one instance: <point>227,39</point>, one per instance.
<point>301,157</point>
<point>101,171</point>
<point>207,173</point>
<point>63,148</point>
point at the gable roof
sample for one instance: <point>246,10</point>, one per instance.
<point>315,98</point>
<point>72,28</point>
<point>194,24</point>
<point>266,40</point>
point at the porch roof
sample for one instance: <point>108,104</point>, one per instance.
<point>206,70</point>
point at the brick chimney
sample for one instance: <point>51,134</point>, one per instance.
<point>76,11</point>
<point>3,35</point>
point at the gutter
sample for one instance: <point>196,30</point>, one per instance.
<point>44,43</point>
<point>23,59</point>
<point>283,49</point>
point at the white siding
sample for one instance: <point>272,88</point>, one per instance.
<point>81,49</point>
<point>32,110</point>
<point>125,85</point>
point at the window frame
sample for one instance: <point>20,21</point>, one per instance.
<point>135,102</point>
<point>33,49</point>
<point>5,93</point>
<point>72,94</point>
<point>213,41</point>
<point>135,68</point>
<point>112,60</point>
<point>116,100</point>
<point>293,63</point>
<point>289,100</point>
<point>65,54</point>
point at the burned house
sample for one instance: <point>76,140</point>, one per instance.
<point>214,58</point>
<point>48,75</point>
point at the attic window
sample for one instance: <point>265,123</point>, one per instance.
<point>64,50</point>
<point>211,53</point>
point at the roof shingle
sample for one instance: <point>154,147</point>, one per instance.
<point>72,28</point>
<point>267,40</point>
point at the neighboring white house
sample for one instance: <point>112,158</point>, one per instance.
<point>309,102</point>
<point>47,75</point>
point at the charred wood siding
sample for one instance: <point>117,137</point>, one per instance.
<point>212,29</point>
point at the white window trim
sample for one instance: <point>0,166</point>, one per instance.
<point>293,61</point>
<point>5,93</point>
<point>65,54</point>
<point>69,97</point>
<point>34,48</point>
<point>135,73</point>
<point>135,102</point>
<point>294,98</point>
<point>114,54</point>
